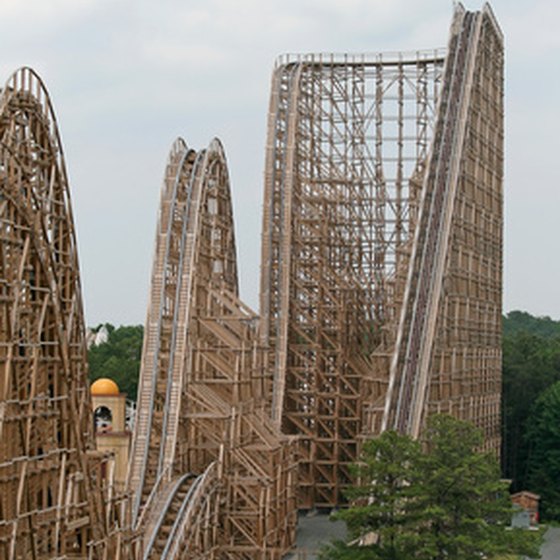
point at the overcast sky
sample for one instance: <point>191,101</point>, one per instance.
<point>129,76</point>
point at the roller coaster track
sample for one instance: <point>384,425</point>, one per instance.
<point>163,362</point>
<point>52,504</point>
<point>188,505</point>
<point>437,237</point>
<point>195,513</point>
<point>202,385</point>
<point>415,340</point>
<point>373,197</point>
<point>180,492</point>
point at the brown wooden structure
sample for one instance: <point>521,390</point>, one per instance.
<point>202,419</point>
<point>56,497</point>
<point>447,357</point>
<point>382,245</point>
<point>380,304</point>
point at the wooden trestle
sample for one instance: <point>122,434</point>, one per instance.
<point>348,141</point>
<point>203,421</point>
<point>448,352</point>
<point>56,495</point>
<point>383,185</point>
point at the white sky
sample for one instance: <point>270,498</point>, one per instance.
<point>129,76</point>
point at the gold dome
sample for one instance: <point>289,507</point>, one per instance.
<point>104,386</point>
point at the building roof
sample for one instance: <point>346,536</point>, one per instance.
<point>104,386</point>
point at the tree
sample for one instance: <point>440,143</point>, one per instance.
<point>442,500</point>
<point>463,506</point>
<point>531,363</point>
<point>118,358</point>
<point>516,322</point>
<point>543,437</point>
<point>385,474</point>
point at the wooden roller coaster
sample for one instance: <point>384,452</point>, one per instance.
<point>382,246</point>
<point>380,304</point>
<point>56,498</point>
<point>202,414</point>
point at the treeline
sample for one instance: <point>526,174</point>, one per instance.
<point>530,398</point>
<point>119,357</point>
<point>531,407</point>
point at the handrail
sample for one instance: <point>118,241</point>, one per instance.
<point>366,59</point>
<point>151,381</point>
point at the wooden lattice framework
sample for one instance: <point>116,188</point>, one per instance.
<point>347,138</point>
<point>55,497</point>
<point>448,352</point>
<point>350,143</point>
<point>201,404</point>
<point>380,304</point>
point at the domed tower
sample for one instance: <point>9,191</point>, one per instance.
<point>109,416</point>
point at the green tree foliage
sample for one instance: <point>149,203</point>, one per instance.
<point>522,322</point>
<point>531,364</point>
<point>118,358</point>
<point>440,501</point>
<point>543,465</point>
<point>463,503</point>
<point>390,465</point>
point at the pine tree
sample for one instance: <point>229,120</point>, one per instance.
<point>442,500</point>
<point>382,498</point>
